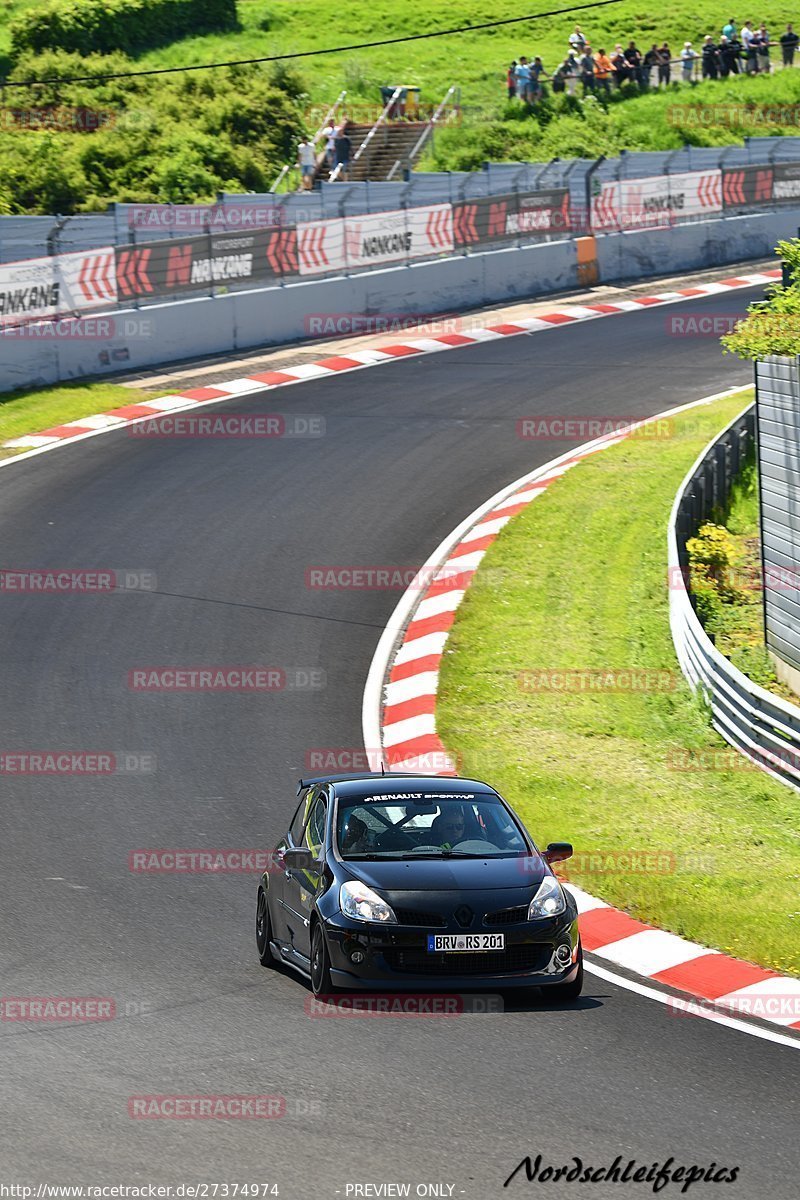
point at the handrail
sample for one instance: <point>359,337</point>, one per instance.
<point>337,171</point>
<point>331,113</point>
<point>765,728</point>
<point>427,131</point>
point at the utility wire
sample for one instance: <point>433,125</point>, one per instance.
<point>247,62</point>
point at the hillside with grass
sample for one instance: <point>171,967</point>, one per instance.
<point>183,137</point>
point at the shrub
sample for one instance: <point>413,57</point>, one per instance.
<point>713,558</point>
<point>101,26</point>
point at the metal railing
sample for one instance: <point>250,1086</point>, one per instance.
<point>761,725</point>
<point>340,168</point>
<point>427,132</point>
<point>329,117</point>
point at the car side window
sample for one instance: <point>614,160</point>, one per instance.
<point>298,821</point>
<point>315,830</point>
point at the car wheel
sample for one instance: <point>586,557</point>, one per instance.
<point>320,963</point>
<point>264,930</point>
<point>565,992</point>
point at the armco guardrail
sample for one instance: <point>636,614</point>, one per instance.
<point>762,726</point>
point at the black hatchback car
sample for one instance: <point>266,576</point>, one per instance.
<point>408,882</point>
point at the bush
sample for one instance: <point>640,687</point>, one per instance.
<point>101,26</point>
<point>175,138</point>
<point>713,558</point>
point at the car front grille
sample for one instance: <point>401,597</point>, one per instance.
<point>425,920</point>
<point>507,916</point>
<point>416,960</point>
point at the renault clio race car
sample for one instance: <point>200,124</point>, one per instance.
<point>412,882</point>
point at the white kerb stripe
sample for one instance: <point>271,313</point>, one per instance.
<point>431,643</point>
<point>307,371</point>
<point>442,603</point>
<point>405,731</point>
<point>423,684</point>
<point>484,529</point>
<point>165,403</point>
<point>236,386</point>
<point>650,951</point>
<point>33,441</point>
<point>101,421</point>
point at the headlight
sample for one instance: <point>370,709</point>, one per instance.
<point>360,903</point>
<point>549,900</point>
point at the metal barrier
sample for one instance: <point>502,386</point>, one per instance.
<point>762,726</point>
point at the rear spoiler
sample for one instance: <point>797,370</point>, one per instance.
<point>302,784</point>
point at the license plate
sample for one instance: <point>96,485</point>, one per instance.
<point>454,943</point>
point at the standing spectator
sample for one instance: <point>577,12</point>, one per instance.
<point>729,31</point>
<point>341,152</point>
<point>603,69</point>
<point>634,60</point>
<point>306,161</point>
<point>622,70</point>
<point>724,60</point>
<point>665,64</point>
<point>571,73</point>
<point>537,72</point>
<point>789,42</point>
<point>763,50</point>
<point>750,55</point>
<point>732,55</point>
<point>511,80</point>
<point>586,64</point>
<point>710,58</point>
<point>577,40</point>
<point>523,74</point>
<point>329,133</point>
<point>688,56</point>
<point>651,59</point>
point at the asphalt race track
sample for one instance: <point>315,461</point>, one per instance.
<point>230,527</point>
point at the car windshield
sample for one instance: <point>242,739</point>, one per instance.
<point>427,825</point>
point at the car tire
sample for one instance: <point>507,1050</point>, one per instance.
<point>264,930</point>
<point>565,993</point>
<point>320,962</point>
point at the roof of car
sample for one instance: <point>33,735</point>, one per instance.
<point>394,782</point>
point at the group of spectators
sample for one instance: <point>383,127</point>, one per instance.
<point>738,51</point>
<point>336,154</point>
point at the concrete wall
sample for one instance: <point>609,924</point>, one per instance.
<point>134,339</point>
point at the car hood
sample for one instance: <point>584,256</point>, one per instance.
<point>450,874</point>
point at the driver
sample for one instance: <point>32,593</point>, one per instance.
<point>450,826</point>
<point>355,835</point>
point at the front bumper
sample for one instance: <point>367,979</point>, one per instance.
<point>395,958</point>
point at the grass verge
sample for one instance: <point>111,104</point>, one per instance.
<point>30,411</point>
<point>584,588</point>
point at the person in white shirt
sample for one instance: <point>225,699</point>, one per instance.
<point>577,40</point>
<point>329,133</point>
<point>306,161</point>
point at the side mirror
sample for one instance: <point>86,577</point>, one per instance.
<point>557,852</point>
<point>299,859</point>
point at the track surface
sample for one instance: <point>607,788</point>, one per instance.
<point>229,528</point>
